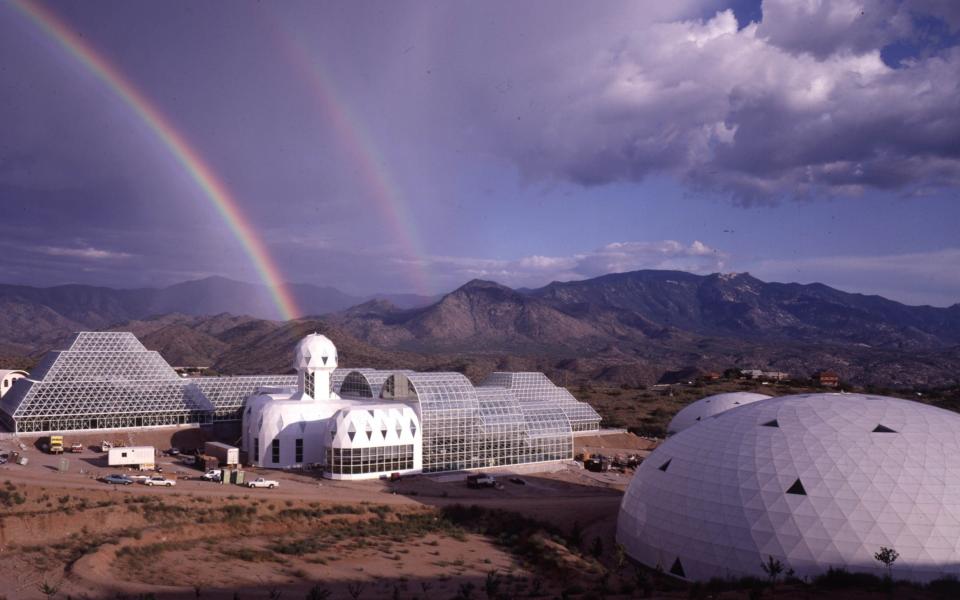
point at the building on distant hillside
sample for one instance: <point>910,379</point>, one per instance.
<point>827,378</point>
<point>7,377</point>
<point>766,375</point>
<point>363,423</point>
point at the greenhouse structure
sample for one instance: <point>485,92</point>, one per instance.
<point>357,423</point>
<point>361,423</point>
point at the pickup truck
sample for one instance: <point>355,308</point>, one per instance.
<point>160,480</point>
<point>212,475</point>
<point>260,482</point>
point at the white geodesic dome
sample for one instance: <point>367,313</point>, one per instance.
<point>315,351</point>
<point>815,481</point>
<point>707,407</point>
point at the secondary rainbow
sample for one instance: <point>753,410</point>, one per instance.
<point>360,147</point>
<point>203,176</point>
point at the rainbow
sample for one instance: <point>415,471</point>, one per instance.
<point>203,176</point>
<point>362,151</point>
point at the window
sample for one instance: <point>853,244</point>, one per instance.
<point>883,429</point>
<point>275,451</point>
<point>308,383</point>
<point>797,489</point>
<point>358,461</point>
<point>256,449</point>
<point>298,450</point>
<point>665,465</point>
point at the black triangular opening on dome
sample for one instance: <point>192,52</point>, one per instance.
<point>797,488</point>
<point>677,569</point>
<point>665,465</point>
<point>883,429</point>
<point>772,423</point>
<point>698,418</point>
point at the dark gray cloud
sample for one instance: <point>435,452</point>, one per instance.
<point>797,105</point>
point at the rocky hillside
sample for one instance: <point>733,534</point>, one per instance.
<point>624,328</point>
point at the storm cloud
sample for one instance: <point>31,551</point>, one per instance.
<point>798,105</point>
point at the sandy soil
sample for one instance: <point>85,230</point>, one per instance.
<point>92,540</point>
<point>550,536</point>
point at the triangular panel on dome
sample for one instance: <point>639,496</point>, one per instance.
<point>665,465</point>
<point>797,488</point>
<point>883,429</point>
<point>773,423</point>
<point>677,569</point>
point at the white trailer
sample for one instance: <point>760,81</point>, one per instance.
<point>142,457</point>
<point>227,455</point>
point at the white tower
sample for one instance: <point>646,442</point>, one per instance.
<point>315,360</point>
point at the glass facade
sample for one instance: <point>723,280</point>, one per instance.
<point>536,388</point>
<point>449,414</point>
<point>109,380</point>
<point>466,427</point>
<point>358,461</point>
<point>227,394</point>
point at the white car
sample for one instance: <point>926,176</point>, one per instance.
<point>160,480</point>
<point>260,482</point>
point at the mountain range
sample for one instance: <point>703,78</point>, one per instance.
<point>622,328</point>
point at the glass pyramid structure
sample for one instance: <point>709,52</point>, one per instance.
<point>109,380</point>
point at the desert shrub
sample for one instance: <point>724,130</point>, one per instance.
<point>10,497</point>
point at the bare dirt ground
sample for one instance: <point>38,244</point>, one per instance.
<point>540,535</point>
<point>62,528</point>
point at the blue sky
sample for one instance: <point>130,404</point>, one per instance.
<point>800,141</point>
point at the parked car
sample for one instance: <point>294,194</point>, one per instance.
<point>260,482</point>
<point>172,452</point>
<point>160,480</point>
<point>116,479</point>
<point>481,480</point>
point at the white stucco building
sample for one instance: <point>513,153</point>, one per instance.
<point>311,424</point>
<point>363,423</point>
<point>7,377</point>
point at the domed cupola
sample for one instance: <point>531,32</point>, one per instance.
<point>315,360</point>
